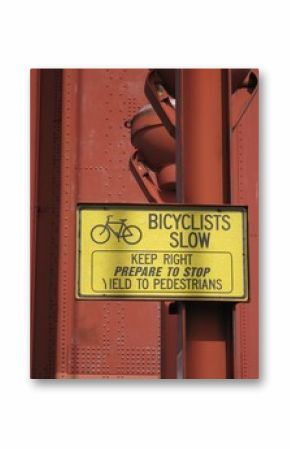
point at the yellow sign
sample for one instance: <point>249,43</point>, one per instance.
<point>162,252</point>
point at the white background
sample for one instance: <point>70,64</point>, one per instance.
<point>198,414</point>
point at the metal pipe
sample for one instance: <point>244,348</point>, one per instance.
<point>201,145</point>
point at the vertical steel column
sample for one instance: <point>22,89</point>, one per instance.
<point>202,150</point>
<point>34,151</point>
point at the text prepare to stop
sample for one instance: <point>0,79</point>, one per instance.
<point>157,271</point>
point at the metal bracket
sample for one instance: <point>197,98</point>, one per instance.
<point>146,181</point>
<point>160,100</point>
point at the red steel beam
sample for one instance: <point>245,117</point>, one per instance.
<point>34,136</point>
<point>201,140</point>
<point>46,87</point>
<point>244,190</point>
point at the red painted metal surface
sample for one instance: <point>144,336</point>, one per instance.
<point>156,146</point>
<point>46,90</point>
<point>201,178</point>
<point>244,188</point>
<point>34,128</point>
<point>93,339</point>
<point>159,97</point>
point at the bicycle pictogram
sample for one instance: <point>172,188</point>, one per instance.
<point>101,233</point>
